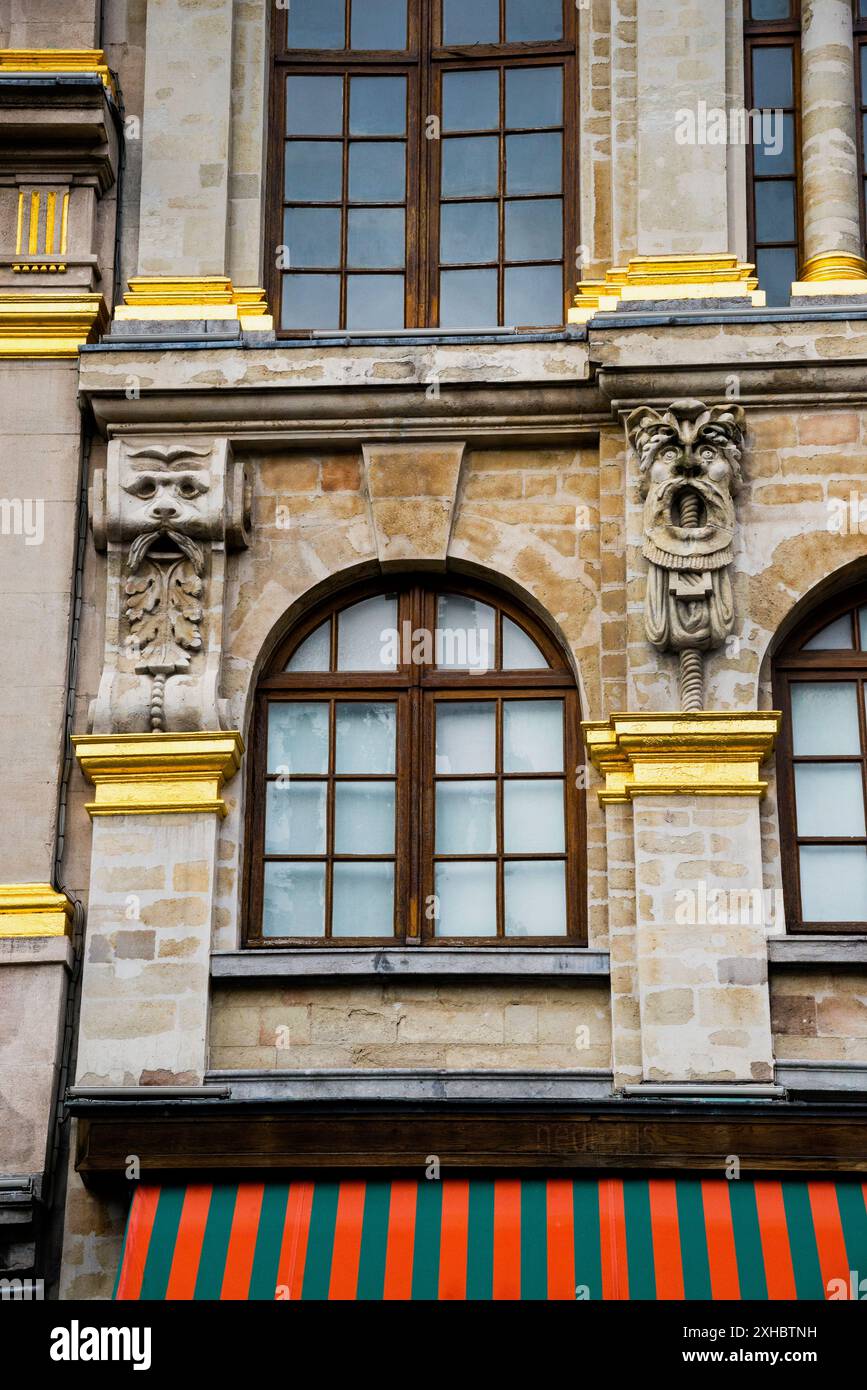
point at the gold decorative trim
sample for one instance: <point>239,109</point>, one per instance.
<point>34,909</point>
<point>158,774</point>
<point>194,297</point>
<point>704,754</point>
<point>57,60</point>
<point>667,277</point>
<point>49,323</point>
<point>833,265</point>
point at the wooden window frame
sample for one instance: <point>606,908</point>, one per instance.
<point>774,33</point>
<point>423,63</point>
<point>791,665</point>
<point>416,689</point>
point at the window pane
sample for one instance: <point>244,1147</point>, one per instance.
<point>294,900</point>
<point>465,736</point>
<point>316,24</point>
<point>471,168</point>
<point>833,883</point>
<point>534,98</point>
<point>777,270</point>
<point>314,170</point>
<point>862,628</point>
<point>377,106</point>
<point>825,718</point>
<point>529,20</point>
<point>466,818</point>
<point>314,105</point>
<point>295,818</point>
<point>520,652</point>
<point>534,163</point>
<point>534,230</point>
<point>535,896</point>
<point>377,172</point>
<point>377,237</point>
<point>365,737</point>
<point>469,233</point>
<point>310,301</point>
<point>533,736</point>
<point>774,153</point>
<point>465,633</point>
<point>772,77</point>
<point>364,818</point>
<point>365,635</point>
<point>298,736</point>
<point>378,24</point>
<point>471,100</point>
<point>312,236</point>
<point>363,900</point>
<point>836,637</point>
<point>466,899</point>
<point>468,299</point>
<point>533,818</point>
<point>770,9</point>
<point>534,296</point>
<point>830,799</point>
<point>478,22</point>
<point>863,55</point>
<point>375,301</point>
<point>775,211</point>
<point>314,654</point>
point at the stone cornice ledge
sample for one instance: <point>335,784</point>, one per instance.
<point>712,753</point>
<point>548,962</point>
<point>159,773</point>
<point>405,1084</point>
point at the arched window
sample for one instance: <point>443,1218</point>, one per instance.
<point>413,777</point>
<point>821,683</point>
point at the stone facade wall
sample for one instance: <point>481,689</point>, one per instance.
<point>819,1016</point>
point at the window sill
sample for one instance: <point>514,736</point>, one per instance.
<point>818,950</point>
<point>502,962</point>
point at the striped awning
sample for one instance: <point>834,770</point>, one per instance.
<point>495,1238</point>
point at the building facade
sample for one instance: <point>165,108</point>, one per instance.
<point>434,859</point>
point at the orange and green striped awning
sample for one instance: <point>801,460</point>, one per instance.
<point>495,1238</point>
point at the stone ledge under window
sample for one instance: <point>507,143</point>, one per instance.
<point>519,1087</point>
<point>812,1075</point>
<point>502,962</point>
<point>818,950</point>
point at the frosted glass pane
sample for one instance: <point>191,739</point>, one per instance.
<point>298,736</point>
<point>363,634</point>
<point>364,818</point>
<point>295,818</point>
<point>466,899</point>
<point>824,718</point>
<point>466,736</point>
<point>294,900</point>
<point>520,652</point>
<point>466,818</point>
<point>363,900</point>
<point>535,899</point>
<point>836,637</point>
<point>833,883</point>
<point>533,818</point>
<point>314,654</point>
<point>830,799</point>
<point>465,634</point>
<point>365,737</point>
<point>533,736</point>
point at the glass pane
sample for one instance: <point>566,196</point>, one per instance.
<point>298,736</point>
<point>775,211</point>
<point>825,718</point>
<point>316,24</point>
<point>468,299</point>
<point>466,818</point>
<point>529,20</point>
<point>469,233</point>
<point>377,237</point>
<point>465,736</point>
<point>294,903</point>
<point>535,895</point>
<point>836,637</point>
<point>365,635</point>
<point>466,633</point>
<point>295,817</point>
<point>862,51</point>
<point>771,9</point>
<point>377,106</point>
<point>314,170</point>
<point>534,163</point>
<point>314,654</point>
<point>312,236</point>
<point>774,151</point>
<point>533,818</point>
<point>375,301</point>
<point>534,98</point>
<point>862,628</point>
<point>478,22</point>
<point>365,737</point>
<point>833,883</point>
<point>772,77</point>
<point>378,24</point>
<point>364,818</point>
<point>520,652</point>
<point>311,301</point>
<point>363,902</point>
<point>777,270</point>
<point>377,172</point>
<point>534,230</point>
<point>534,296</point>
<point>533,736</point>
<point>466,899</point>
<point>471,100</point>
<point>314,105</point>
<point>830,799</point>
<point>471,168</point>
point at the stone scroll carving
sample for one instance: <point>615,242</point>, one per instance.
<point>166,512</point>
<point>690,458</point>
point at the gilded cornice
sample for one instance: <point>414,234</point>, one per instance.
<point>33,909</point>
<point>47,61</point>
<point>158,773</point>
<point>53,323</point>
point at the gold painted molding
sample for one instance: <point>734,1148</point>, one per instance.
<point>194,297</point>
<point>667,277</point>
<point>61,60</point>
<point>49,323</point>
<point>713,753</point>
<point>158,774</point>
<point>34,909</point>
<point>833,273</point>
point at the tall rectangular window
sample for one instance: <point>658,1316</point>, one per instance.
<point>772,67</point>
